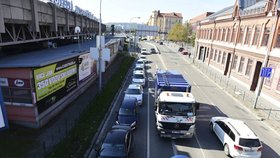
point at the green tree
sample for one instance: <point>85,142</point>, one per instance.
<point>178,33</point>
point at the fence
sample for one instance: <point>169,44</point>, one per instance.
<point>240,93</point>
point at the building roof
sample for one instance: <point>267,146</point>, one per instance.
<point>200,17</point>
<point>173,14</point>
<point>222,12</point>
<point>46,56</point>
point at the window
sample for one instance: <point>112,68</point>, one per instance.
<point>234,62</point>
<point>241,34</point>
<point>266,36</point>
<point>268,81</point>
<point>277,44</point>
<point>233,35</point>
<point>249,67</point>
<point>211,55</point>
<point>219,57</point>
<point>215,55</point>
<point>217,35</point>
<point>224,35</point>
<point>228,35</point>
<point>241,64</point>
<point>210,36</point>
<point>256,36</point>
<point>224,58</point>
<point>278,85</point>
<point>248,36</point>
<point>232,135</point>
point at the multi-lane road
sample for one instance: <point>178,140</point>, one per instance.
<point>214,102</point>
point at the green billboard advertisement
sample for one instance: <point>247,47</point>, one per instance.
<point>54,81</point>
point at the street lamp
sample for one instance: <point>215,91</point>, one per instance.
<point>100,50</point>
<point>130,31</point>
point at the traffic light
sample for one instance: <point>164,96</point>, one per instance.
<point>112,29</point>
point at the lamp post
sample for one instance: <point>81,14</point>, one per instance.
<point>100,50</point>
<point>130,31</point>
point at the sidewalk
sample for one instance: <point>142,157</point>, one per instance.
<point>265,110</point>
<point>60,126</point>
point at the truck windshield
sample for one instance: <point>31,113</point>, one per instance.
<point>177,109</point>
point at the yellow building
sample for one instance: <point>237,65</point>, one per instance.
<point>164,22</point>
<point>241,39</point>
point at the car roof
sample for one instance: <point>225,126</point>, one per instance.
<point>138,72</point>
<point>128,102</point>
<point>116,136</point>
<point>134,86</point>
<point>243,130</point>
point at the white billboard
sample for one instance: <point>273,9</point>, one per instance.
<point>84,66</point>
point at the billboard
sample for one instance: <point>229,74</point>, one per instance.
<point>3,116</point>
<point>84,66</point>
<point>54,81</point>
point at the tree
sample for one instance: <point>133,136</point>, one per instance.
<point>178,33</point>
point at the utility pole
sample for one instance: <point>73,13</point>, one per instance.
<point>100,51</point>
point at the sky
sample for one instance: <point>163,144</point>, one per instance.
<point>126,10</point>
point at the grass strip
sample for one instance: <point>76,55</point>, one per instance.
<point>79,139</point>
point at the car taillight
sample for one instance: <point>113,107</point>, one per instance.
<point>259,149</point>
<point>236,147</point>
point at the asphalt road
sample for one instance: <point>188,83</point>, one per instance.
<point>214,102</point>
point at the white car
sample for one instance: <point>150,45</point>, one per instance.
<point>139,68</point>
<point>139,78</point>
<point>143,57</point>
<point>237,138</point>
<point>135,90</point>
<point>140,63</point>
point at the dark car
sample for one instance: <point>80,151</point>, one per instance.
<point>160,43</point>
<point>127,114</point>
<point>117,143</point>
<point>153,50</point>
<point>181,49</point>
<point>185,52</point>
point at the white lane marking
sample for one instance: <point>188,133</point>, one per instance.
<point>174,148</point>
<point>200,148</point>
<point>156,66</point>
<point>160,58</point>
<point>148,124</point>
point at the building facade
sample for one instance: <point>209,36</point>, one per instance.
<point>241,39</point>
<point>164,22</point>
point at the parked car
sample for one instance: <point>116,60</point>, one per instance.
<point>143,51</point>
<point>184,52</point>
<point>139,78</point>
<point>143,57</point>
<point>139,68</point>
<point>117,143</point>
<point>135,90</point>
<point>236,137</point>
<point>128,112</point>
<point>181,49</point>
<point>140,63</point>
<point>153,50</point>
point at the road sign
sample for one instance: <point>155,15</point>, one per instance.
<point>266,72</point>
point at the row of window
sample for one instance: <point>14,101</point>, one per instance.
<point>244,35</point>
<point>240,63</point>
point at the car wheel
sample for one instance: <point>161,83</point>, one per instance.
<point>211,127</point>
<point>226,149</point>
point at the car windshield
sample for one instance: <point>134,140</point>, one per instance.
<point>249,142</point>
<point>144,49</point>
<point>140,62</point>
<point>138,76</point>
<point>126,111</point>
<point>112,150</point>
<point>178,109</point>
<point>133,91</point>
<point>139,68</point>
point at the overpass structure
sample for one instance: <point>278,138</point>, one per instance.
<point>25,21</point>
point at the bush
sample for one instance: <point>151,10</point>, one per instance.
<point>79,139</point>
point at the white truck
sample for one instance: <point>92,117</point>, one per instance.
<point>175,107</point>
